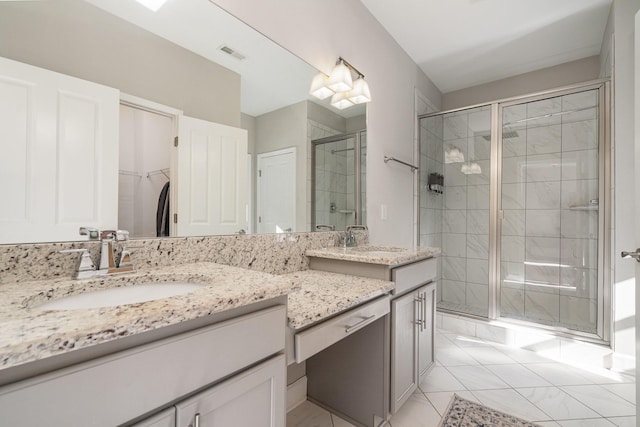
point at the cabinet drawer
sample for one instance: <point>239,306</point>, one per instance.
<point>317,338</point>
<point>412,275</point>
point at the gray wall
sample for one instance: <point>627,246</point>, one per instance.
<point>568,73</point>
<point>284,128</point>
<point>78,39</point>
<point>320,114</point>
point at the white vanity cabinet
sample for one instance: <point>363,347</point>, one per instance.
<point>240,360</point>
<point>412,327</point>
<point>412,349</point>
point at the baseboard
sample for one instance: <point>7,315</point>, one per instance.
<point>296,393</point>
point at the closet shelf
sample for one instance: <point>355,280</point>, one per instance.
<point>164,172</point>
<point>129,173</point>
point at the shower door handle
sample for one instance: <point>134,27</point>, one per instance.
<point>635,254</point>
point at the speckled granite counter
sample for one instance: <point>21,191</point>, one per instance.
<point>321,294</point>
<point>385,255</point>
<point>29,334</point>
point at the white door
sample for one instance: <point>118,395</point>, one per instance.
<point>58,154</point>
<point>276,191</point>
<point>212,178</point>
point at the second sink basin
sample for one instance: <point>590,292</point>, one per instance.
<point>120,296</point>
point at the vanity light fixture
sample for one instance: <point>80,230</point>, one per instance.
<point>471,169</point>
<point>341,101</point>
<point>340,85</point>
<point>340,78</point>
<point>319,87</point>
<point>152,5</point>
<point>360,92</point>
<point>453,155</point>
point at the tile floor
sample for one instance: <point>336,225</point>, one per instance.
<point>515,381</point>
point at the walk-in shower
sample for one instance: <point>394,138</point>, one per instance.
<point>338,181</point>
<point>523,218</point>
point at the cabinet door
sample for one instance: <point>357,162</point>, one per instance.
<point>166,418</point>
<point>426,348</point>
<point>404,365</point>
<point>253,398</point>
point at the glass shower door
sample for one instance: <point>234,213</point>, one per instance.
<point>457,145</point>
<point>549,200</point>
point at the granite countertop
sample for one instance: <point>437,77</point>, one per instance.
<point>28,333</point>
<point>321,294</point>
<point>385,255</point>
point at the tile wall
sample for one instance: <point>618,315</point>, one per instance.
<point>335,179</point>
<point>550,201</point>
<point>459,218</point>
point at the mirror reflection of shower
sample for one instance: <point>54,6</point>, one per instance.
<point>338,184</point>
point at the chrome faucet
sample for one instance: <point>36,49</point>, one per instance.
<point>107,259</point>
<point>86,269</point>
<point>349,239</point>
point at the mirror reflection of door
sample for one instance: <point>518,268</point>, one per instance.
<point>276,191</point>
<point>146,139</point>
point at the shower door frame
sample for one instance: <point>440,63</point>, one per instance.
<point>357,172</point>
<point>604,286</point>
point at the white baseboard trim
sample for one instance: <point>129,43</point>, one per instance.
<point>296,393</point>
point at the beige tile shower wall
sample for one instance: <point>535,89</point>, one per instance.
<point>269,253</point>
<point>316,130</point>
<point>550,228</point>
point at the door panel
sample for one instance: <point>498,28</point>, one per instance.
<point>276,191</point>
<point>212,178</point>
<point>254,398</point>
<point>59,154</point>
<point>403,350</point>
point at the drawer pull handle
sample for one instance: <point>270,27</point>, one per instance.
<point>196,420</point>
<point>364,322</point>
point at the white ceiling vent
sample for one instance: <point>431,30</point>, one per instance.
<point>226,49</point>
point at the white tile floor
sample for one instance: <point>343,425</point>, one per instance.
<point>515,381</point>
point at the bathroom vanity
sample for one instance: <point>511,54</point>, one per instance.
<point>190,359</point>
<point>405,338</point>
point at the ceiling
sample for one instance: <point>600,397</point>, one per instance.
<point>462,43</point>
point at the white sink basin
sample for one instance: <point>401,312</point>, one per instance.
<point>121,296</point>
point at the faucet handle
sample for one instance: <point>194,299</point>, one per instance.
<point>85,267</point>
<point>93,233</point>
<point>122,235</point>
<point>107,234</point>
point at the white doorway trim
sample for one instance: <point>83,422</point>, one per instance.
<point>173,113</point>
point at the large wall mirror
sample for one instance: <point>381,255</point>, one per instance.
<point>301,165</point>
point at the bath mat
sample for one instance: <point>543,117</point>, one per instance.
<point>464,413</point>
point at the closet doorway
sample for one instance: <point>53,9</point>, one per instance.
<point>147,133</point>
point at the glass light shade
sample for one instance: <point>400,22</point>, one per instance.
<point>453,156</point>
<point>319,87</point>
<point>360,92</point>
<point>340,79</point>
<point>471,168</point>
<point>153,5</point>
<point>341,101</point>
